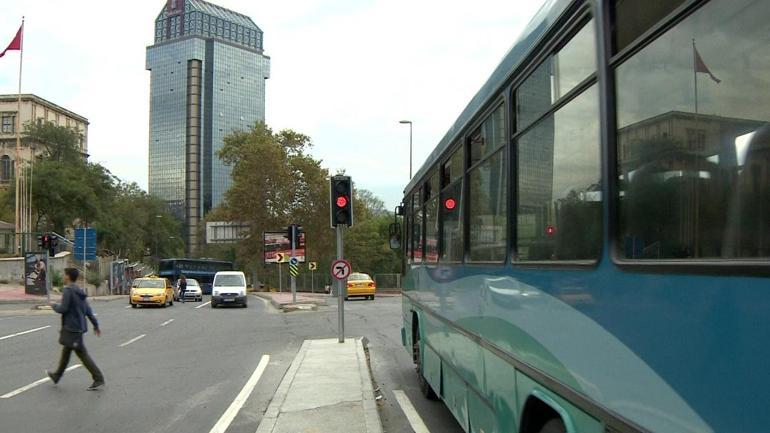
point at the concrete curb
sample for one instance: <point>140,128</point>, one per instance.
<point>270,298</point>
<point>371,413</point>
<point>274,409</point>
<point>106,298</point>
<point>286,308</point>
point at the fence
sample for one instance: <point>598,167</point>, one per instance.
<point>388,281</point>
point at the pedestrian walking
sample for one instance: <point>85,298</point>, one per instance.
<point>74,310</point>
<point>182,287</point>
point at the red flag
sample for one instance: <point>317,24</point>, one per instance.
<point>15,44</point>
<point>700,66</point>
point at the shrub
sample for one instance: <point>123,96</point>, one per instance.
<point>94,280</point>
<point>57,279</point>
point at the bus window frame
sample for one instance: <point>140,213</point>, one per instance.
<point>608,97</point>
<point>458,147</point>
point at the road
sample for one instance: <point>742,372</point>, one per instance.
<point>180,368</point>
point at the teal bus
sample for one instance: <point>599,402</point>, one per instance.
<point>587,249</point>
<point>202,270</point>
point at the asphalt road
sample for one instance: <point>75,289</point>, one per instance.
<point>178,369</point>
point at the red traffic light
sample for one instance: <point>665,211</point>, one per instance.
<point>550,230</point>
<point>342,201</point>
<point>450,204</point>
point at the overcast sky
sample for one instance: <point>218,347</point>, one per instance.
<point>343,72</point>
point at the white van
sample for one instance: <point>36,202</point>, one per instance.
<point>229,288</point>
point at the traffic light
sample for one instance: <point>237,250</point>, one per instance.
<point>53,243</point>
<point>293,233</point>
<point>341,201</point>
<point>45,241</point>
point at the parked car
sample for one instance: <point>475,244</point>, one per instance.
<point>193,292</point>
<point>151,291</point>
<point>360,284</point>
<point>229,288</point>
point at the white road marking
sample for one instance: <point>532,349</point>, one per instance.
<point>16,392</point>
<point>24,332</point>
<point>133,340</point>
<point>227,417</point>
<point>203,305</point>
<point>127,306</point>
<point>411,413</point>
<point>166,322</point>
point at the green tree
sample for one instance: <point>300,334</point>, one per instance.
<point>59,143</point>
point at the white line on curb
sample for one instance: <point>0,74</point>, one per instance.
<point>16,392</point>
<point>25,332</point>
<point>411,413</point>
<point>227,417</point>
<point>133,340</point>
<point>203,305</point>
<point>166,322</point>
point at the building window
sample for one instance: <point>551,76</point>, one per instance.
<point>9,123</point>
<point>6,168</point>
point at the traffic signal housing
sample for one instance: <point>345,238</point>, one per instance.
<point>341,201</point>
<point>53,243</point>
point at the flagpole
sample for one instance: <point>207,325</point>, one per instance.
<point>17,165</point>
<point>695,77</point>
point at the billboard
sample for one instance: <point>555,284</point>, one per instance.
<point>35,273</point>
<point>223,232</point>
<point>278,248</point>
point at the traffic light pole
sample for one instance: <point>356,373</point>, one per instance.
<point>340,291</point>
<point>293,255</point>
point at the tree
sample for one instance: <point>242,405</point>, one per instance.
<point>59,143</point>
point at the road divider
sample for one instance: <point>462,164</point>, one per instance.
<point>18,391</point>
<point>203,304</point>
<point>227,417</point>
<point>133,340</point>
<point>24,332</point>
<point>411,413</point>
<point>166,322</point>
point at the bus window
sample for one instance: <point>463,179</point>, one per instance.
<point>489,137</point>
<point>417,229</point>
<point>693,146</point>
<point>431,230</point>
<point>559,197</point>
<point>556,76</point>
<point>452,223</point>
<point>633,17</point>
<point>453,169</point>
<point>487,212</point>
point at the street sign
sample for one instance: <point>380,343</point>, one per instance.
<point>293,261</point>
<point>85,244</point>
<point>280,258</point>
<point>341,269</point>
<point>293,270</point>
<point>313,266</point>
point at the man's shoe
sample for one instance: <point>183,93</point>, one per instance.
<point>96,385</point>
<point>53,376</point>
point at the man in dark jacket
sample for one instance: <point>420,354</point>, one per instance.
<point>74,309</point>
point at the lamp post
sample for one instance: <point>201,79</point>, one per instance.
<point>409,122</point>
<point>157,218</point>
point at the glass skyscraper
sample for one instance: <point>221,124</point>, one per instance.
<point>208,72</point>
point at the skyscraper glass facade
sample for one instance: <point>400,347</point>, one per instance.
<point>188,114</point>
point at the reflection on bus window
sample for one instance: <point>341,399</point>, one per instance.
<point>431,230</point>
<point>487,215</point>
<point>452,226</point>
<point>559,194</point>
<point>693,142</point>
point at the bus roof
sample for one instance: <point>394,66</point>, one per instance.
<point>527,40</point>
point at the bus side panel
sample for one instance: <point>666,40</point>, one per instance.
<point>574,419</point>
<point>500,383</point>
<point>455,395</point>
<point>482,418</point>
<point>431,368</point>
<point>406,331</point>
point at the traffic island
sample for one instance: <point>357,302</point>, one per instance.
<point>285,301</point>
<point>327,389</point>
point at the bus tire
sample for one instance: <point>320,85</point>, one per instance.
<point>555,425</point>
<point>425,387</point>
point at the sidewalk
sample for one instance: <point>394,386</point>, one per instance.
<point>327,389</point>
<point>283,301</point>
<point>16,295</point>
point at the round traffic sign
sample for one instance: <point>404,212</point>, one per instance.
<point>293,260</point>
<point>341,269</point>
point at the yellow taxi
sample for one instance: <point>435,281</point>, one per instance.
<point>151,291</point>
<point>360,284</point>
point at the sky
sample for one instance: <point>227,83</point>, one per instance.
<point>343,72</point>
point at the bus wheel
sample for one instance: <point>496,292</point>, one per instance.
<point>555,425</point>
<point>425,387</point>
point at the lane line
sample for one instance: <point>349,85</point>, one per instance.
<point>411,413</point>
<point>127,306</point>
<point>166,322</point>
<point>16,392</point>
<point>133,340</point>
<point>24,332</point>
<point>227,417</point>
<point>203,305</point>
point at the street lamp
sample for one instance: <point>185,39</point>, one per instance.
<point>409,122</point>
<point>157,217</point>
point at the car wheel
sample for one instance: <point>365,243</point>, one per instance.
<point>555,425</point>
<point>165,303</point>
<point>213,305</point>
<point>134,305</point>
<point>171,302</point>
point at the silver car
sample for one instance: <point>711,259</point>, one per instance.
<point>192,293</point>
